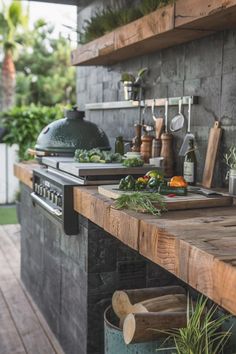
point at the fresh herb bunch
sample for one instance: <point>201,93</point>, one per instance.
<point>203,333</point>
<point>152,203</point>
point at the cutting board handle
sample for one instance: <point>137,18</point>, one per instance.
<point>217,124</point>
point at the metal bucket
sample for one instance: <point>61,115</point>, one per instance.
<point>114,342</point>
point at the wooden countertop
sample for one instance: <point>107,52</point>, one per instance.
<point>198,246</point>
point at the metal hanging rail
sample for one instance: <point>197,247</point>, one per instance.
<point>158,102</point>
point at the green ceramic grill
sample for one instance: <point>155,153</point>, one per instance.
<point>63,136</point>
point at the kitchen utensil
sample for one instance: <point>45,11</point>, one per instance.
<point>189,135</point>
<point>167,147</point>
<point>211,155</point>
<point>146,147</point>
<point>63,136</point>
<point>136,141</point>
<point>159,122</point>
<point>177,122</point>
<point>156,147</point>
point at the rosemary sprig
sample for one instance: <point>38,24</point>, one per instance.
<point>152,203</point>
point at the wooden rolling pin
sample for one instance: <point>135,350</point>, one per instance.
<point>144,327</point>
<point>123,300</point>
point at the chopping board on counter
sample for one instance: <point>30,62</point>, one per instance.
<point>190,201</point>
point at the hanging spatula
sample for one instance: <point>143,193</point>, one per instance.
<point>189,135</point>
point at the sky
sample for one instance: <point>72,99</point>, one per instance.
<point>56,14</point>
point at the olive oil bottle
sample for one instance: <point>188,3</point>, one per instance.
<point>190,164</point>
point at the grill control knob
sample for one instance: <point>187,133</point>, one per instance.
<point>36,187</point>
<point>52,196</point>
<point>44,192</point>
<point>40,189</point>
<point>59,200</point>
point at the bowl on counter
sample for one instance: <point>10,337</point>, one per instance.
<point>156,161</point>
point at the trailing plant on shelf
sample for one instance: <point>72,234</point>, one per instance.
<point>108,19</point>
<point>203,333</point>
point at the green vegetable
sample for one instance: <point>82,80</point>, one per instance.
<point>122,184</point>
<point>140,185</point>
<point>154,183</point>
<point>134,162</point>
<point>165,190</point>
<point>152,203</point>
<point>130,183</point>
<point>97,156</point>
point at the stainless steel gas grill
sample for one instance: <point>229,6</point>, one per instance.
<point>53,184</point>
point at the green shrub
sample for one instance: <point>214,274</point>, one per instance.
<point>23,125</point>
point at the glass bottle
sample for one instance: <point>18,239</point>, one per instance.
<point>190,164</point>
<point>119,145</point>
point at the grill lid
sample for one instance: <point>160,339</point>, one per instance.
<point>65,135</point>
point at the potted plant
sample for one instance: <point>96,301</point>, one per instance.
<point>230,160</point>
<point>133,86</point>
<point>203,333</point>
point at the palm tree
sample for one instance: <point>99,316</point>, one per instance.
<point>12,19</point>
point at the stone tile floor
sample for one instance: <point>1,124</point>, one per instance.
<point>23,329</point>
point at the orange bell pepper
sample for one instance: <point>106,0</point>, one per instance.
<point>178,181</point>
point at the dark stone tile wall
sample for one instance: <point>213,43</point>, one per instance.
<point>205,67</point>
<point>72,278</point>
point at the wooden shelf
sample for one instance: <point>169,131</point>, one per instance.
<point>159,102</point>
<point>171,25</point>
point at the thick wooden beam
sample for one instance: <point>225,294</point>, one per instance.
<point>24,172</point>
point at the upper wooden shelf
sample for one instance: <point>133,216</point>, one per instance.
<point>174,24</point>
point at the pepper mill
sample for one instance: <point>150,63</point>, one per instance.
<point>137,139</point>
<point>146,147</point>
<point>167,148</point>
<point>168,154</point>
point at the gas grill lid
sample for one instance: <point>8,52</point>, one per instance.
<point>64,136</point>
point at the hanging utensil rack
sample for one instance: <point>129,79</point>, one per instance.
<point>158,102</point>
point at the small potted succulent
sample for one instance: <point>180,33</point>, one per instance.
<point>230,160</point>
<point>133,86</point>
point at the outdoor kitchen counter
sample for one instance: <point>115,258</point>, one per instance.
<point>198,246</point>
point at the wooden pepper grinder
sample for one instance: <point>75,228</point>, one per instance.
<point>137,139</point>
<point>167,148</point>
<point>146,147</point>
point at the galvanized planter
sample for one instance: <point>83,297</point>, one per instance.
<point>114,342</point>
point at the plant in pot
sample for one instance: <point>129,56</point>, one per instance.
<point>133,86</point>
<point>203,333</point>
<point>230,160</point>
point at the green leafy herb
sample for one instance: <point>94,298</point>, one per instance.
<point>152,203</point>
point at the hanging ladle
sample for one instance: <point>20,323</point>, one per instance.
<point>177,122</point>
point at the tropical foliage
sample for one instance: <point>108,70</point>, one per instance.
<point>44,74</point>
<point>12,20</point>
<point>23,125</point>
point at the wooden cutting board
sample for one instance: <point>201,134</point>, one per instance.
<point>191,201</point>
<point>211,155</point>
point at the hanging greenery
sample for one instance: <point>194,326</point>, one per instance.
<point>107,20</point>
